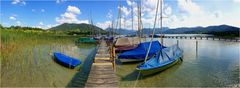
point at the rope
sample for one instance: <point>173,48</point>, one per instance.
<point>150,45</point>
<point>150,42</point>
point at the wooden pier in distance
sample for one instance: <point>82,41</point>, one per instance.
<point>102,73</point>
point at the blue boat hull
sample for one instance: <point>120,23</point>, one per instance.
<point>66,60</point>
<point>146,72</point>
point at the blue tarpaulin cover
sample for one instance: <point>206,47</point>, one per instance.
<point>162,58</point>
<point>141,51</point>
<point>66,60</point>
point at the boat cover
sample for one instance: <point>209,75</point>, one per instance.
<point>141,51</point>
<point>125,41</point>
<point>163,57</point>
<point>66,60</point>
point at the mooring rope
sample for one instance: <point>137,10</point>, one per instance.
<point>150,42</point>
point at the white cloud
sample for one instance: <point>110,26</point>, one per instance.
<point>40,23</point>
<point>18,23</point>
<point>43,26</point>
<point>125,11</point>
<point>190,7</point>
<point>73,9</point>
<point>42,10</point>
<point>109,14</point>
<point>193,15</point>
<point>12,18</point>
<point>60,1</point>
<point>104,25</point>
<point>237,1</point>
<point>46,26</point>
<point>168,10</point>
<point>33,10</point>
<point>22,2</point>
<point>70,16</point>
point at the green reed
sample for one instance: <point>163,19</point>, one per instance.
<point>24,53</point>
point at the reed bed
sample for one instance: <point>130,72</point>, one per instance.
<point>26,59</point>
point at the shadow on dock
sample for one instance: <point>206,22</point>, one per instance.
<point>80,78</point>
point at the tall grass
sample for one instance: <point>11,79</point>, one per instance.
<point>25,59</point>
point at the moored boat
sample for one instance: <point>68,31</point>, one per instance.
<point>66,60</point>
<point>126,43</point>
<point>164,59</point>
<point>139,53</point>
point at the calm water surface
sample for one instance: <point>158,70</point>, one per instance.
<point>33,66</point>
<point>210,63</point>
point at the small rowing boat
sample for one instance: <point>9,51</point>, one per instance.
<point>66,60</point>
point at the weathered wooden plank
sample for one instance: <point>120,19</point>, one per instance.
<point>101,61</point>
<point>110,85</point>
<point>102,76</point>
<point>102,68</point>
<point>102,58</point>
<point>103,55</point>
<point>101,64</point>
<point>102,80</point>
<point>102,73</point>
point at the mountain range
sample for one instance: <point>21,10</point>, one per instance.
<point>219,29</point>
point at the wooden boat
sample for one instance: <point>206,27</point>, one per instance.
<point>66,60</point>
<point>125,43</point>
<point>139,53</point>
<point>164,59</point>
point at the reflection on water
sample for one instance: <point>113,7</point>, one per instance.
<point>33,65</point>
<point>210,63</point>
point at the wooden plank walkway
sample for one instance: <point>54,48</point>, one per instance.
<point>102,73</point>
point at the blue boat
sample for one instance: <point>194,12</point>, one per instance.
<point>66,60</point>
<point>164,59</point>
<point>139,53</point>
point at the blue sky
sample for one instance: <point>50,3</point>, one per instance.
<point>179,13</point>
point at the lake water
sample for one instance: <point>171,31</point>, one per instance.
<point>211,63</point>
<point>33,65</point>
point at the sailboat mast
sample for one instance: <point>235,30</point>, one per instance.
<point>91,24</point>
<point>154,27</point>
<point>161,18</point>
<point>132,14</point>
<point>139,21</point>
<point>120,15</point>
<point>112,30</point>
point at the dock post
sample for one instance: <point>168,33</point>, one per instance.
<point>177,43</point>
<point>196,49</point>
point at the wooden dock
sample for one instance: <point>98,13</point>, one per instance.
<point>102,73</point>
<point>204,37</point>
